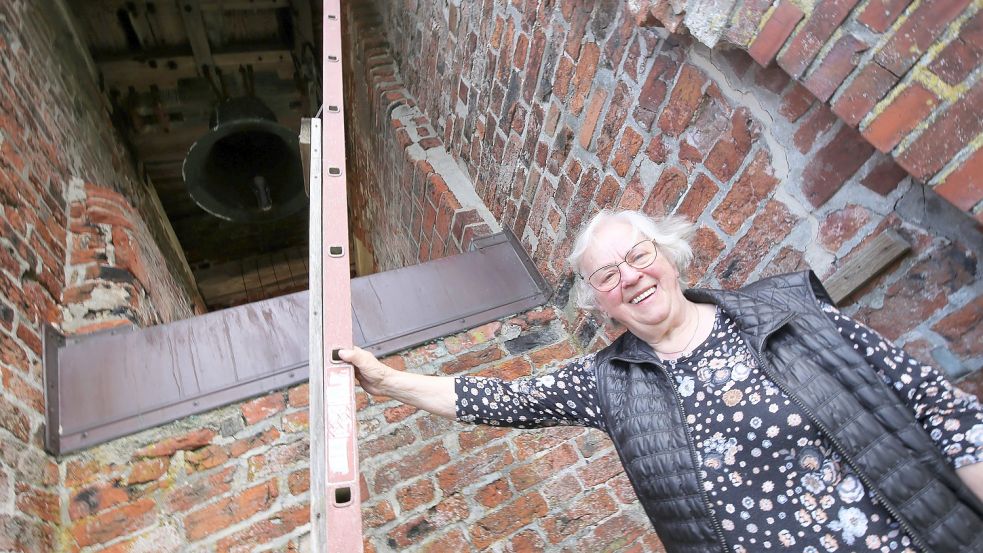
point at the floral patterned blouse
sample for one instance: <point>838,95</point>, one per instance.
<point>774,482</point>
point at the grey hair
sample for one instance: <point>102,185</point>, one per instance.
<point>671,234</point>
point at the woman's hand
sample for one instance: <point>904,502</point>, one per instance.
<point>369,371</point>
<point>430,393</point>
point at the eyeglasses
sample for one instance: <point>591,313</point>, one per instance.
<point>640,255</point>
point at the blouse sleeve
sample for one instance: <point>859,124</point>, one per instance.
<point>567,396</point>
<point>953,418</point>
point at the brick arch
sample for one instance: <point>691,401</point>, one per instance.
<point>905,75</point>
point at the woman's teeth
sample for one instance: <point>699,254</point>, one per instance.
<point>643,295</point>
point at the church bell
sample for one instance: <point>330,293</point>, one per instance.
<point>247,168</point>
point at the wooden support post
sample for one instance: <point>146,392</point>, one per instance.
<point>876,256</point>
<point>336,519</point>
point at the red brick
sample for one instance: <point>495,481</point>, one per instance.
<point>586,132</point>
<point>863,93</point>
<point>585,512</point>
<point>614,120</point>
<point>768,229</point>
<point>964,186</point>
<point>884,177</point>
<point>448,511</point>
<point>222,514</point>
<point>904,113</point>
<point>634,193</point>
<point>189,441</point>
<point>796,103</point>
<point>532,67</point>
<point>467,361</point>
<point>608,192</point>
<point>880,14</point>
<point>955,128</point>
<point>822,23</point>
<point>787,260</point>
<point>963,330</point>
<point>114,523</point>
<point>266,530</point>
<point>398,413</point>
<point>494,494</point>
<point>686,96</point>
<point>654,89</point>
<point>412,496</point>
<point>378,514</point>
<point>147,471</point>
<point>501,523</point>
<point>298,396</point>
<point>814,126</point>
<point>600,469</point>
<point>530,444</point>
<point>410,465</point>
<point>556,353</point>
<point>706,248</point>
<point>842,225</point>
<point>919,31</point>
<point>961,56</point>
<point>616,533</point>
<point>741,202</point>
<point>657,150</point>
<point>536,471</point>
<point>36,502</point>
<point>833,164</point>
<point>699,196</point>
<point>262,408</point>
<point>299,481</point>
<point>584,77</point>
<point>666,192</point>
<point>922,291</point>
<point>631,143</point>
<point>728,153</point>
<point>451,541</point>
<point>479,436</point>
<point>253,441</point>
<point>777,28</point>
<point>474,467</point>
<point>834,68</point>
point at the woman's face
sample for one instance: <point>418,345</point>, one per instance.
<point>627,302</point>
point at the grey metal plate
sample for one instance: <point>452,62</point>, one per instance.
<point>104,386</point>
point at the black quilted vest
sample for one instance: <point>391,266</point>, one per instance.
<point>801,351</point>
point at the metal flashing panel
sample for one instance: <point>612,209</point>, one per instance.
<point>104,386</point>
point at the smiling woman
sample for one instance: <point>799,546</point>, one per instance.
<point>747,419</point>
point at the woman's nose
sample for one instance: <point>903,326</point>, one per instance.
<point>629,275</point>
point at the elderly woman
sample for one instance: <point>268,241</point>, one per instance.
<point>746,420</point>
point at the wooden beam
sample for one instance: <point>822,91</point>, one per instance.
<point>166,69</point>
<point>876,256</point>
<point>194,25</point>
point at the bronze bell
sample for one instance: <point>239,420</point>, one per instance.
<point>247,168</point>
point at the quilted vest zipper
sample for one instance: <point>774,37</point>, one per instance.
<point>760,355</point>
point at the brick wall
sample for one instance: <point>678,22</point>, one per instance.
<point>409,201</point>
<point>55,134</point>
<point>906,74</point>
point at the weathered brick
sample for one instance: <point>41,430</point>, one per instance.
<point>947,136</point>
<point>707,246</point>
<point>962,329</point>
<point>884,177</point>
<point>147,470</point>
<point>614,120</point>
<point>842,225</point>
<point>299,481</point>
<point>921,291</point>
<point>698,197</point>
<point>584,77</point>
<point>412,496</point>
<point>499,524</point>
<point>586,132</point>
<point>741,202</point>
<point>961,56</point>
<point>686,96</point>
<point>776,29</point>
<point>917,34</point>
<point>833,164</point>
<point>834,68</point>
<point>822,23</point>
<point>37,502</point>
<point>878,15</point>
<point>787,260</point>
<point>631,143</point>
<point>654,89</point>
<point>494,494</point>
<point>476,466</point>
<point>224,513</point>
<point>189,441</point>
<point>728,153</point>
<point>536,471</point>
<point>813,127</point>
<point>410,465</point>
<point>746,22</point>
<point>585,512</point>
<point>862,94</point>
<point>903,114</point>
<point>769,228</point>
<point>448,511</point>
<point>280,523</point>
<point>964,186</point>
<point>479,436</point>
<point>120,521</point>
<point>666,193</point>
<point>600,469</point>
<point>796,103</point>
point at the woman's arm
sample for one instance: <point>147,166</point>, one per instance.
<point>430,393</point>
